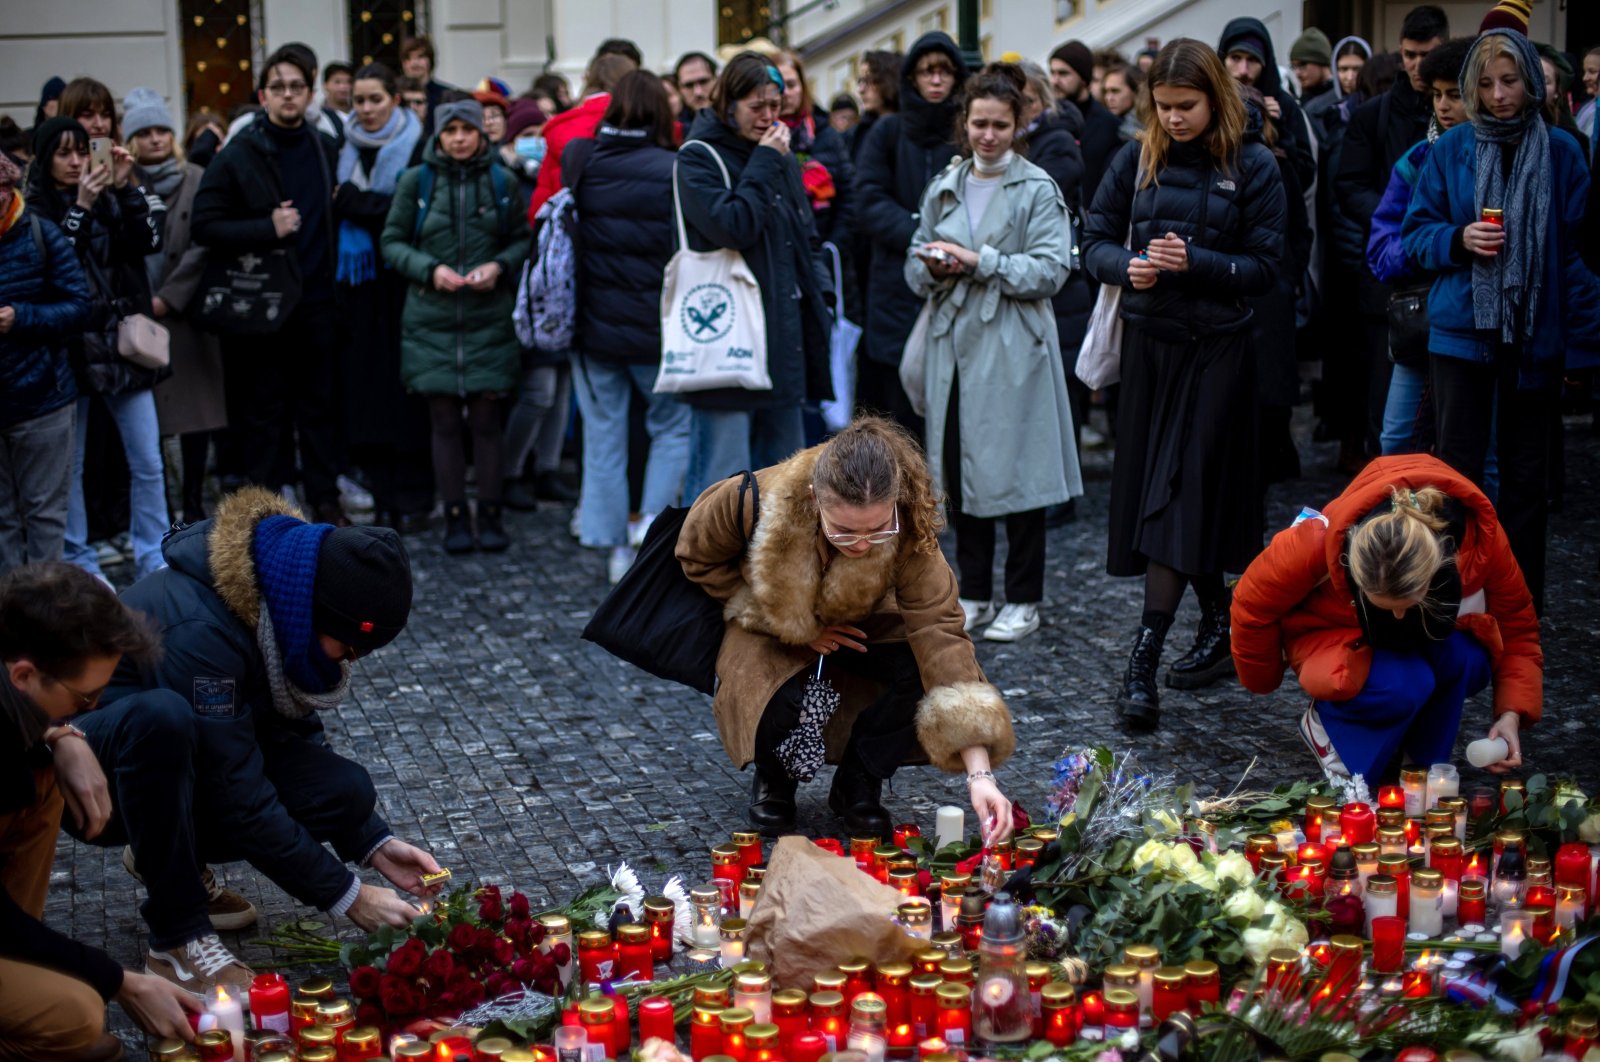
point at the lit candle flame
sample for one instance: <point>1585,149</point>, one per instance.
<point>427,907</point>
<point>222,994</point>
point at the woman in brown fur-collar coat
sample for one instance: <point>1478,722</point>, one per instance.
<point>844,564</point>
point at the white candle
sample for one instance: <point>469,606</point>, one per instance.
<point>1426,913</point>
<point>229,1015</point>
<point>1451,898</point>
<point>949,908</point>
<point>732,951</point>
<point>950,826</point>
<point>1443,781</point>
<point>1515,926</point>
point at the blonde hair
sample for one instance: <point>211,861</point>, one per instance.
<point>873,461</point>
<point>1186,63</point>
<point>1489,48</point>
<point>1397,554</point>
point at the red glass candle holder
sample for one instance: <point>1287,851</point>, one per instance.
<point>1357,823</point>
<point>904,832</point>
<point>808,1047</point>
<point>1094,1010</point>
<point>1388,944</point>
<point>705,1032</point>
<point>655,1020</point>
<point>725,865</point>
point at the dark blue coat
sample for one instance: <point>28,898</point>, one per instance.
<point>1443,203</point>
<point>51,298</point>
<point>210,657</point>
<point>1386,252</point>
<point>625,238</point>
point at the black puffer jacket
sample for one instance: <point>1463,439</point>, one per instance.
<point>1380,131</point>
<point>902,153</point>
<point>767,218</point>
<point>1052,146</point>
<point>1099,135</point>
<point>624,199</point>
<point>1272,324</point>
<point>51,298</point>
<point>1294,132</point>
<point>1234,221</point>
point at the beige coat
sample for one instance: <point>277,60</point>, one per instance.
<point>791,583</point>
<point>192,398</point>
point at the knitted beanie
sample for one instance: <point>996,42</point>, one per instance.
<point>523,115</point>
<point>1077,55</point>
<point>469,111</point>
<point>1312,46</point>
<point>145,109</point>
<point>362,594</point>
<point>1508,14</point>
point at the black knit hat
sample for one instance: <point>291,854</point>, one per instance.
<point>362,594</point>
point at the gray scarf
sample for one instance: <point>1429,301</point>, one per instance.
<point>1505,288</point>
<point>163,178</point>
<point>287,698</point>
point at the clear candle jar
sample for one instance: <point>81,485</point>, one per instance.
<point>1380,898</point>
<point>916,915</point>
<point>1427,902</point>
<point>731,944</point>
<point>1570,903</point>
<point>706,902</point>
<point>1414,784</point>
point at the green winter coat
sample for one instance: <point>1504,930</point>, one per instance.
<point>461,342</point>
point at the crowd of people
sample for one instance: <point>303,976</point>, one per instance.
<point>371,289</point>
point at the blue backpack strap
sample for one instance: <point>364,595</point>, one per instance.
<point>424,197</point>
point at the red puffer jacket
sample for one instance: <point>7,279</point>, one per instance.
<point>1296,608</point>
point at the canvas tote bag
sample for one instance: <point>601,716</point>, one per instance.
<point>713,326</point>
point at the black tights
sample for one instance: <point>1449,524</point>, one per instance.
<point>1163,590</point>
<point>449,451</point>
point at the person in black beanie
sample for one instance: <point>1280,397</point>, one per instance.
<point>261,616</point>
<point>1071,69</point>
<point>49,100</point>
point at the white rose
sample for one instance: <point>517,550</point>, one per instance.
<point>1167,820</point>
<point>1199,874</point>
<point>1567,793</point>
<point>1234,867</point>
<point>1592,1055</point>
<point>1246,904</point>
<point>1522,1047</point>
<point>1153,856</point>
<point>1589,829</point>
<point>1257,942</point>
<point>1183,859</point>
<point>1293,934</point>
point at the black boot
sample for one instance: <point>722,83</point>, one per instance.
<point>519,495</point>
<point>492,537</point>
<point>458,537</point>
<point>1138,703</point>
<point>1211,656</point>
<point>772,801</point>
<point>553,486</point>
<point>856,797</point>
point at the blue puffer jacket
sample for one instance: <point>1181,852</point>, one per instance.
<point>1569,299</point>
<point>1386,253</point>
<point>51,298</point>
<point>206,604</point>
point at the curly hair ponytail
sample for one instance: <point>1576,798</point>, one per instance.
<point>873,461</point>
<point>1396,554</point>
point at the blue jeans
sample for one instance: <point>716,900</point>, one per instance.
<point>1408,429</point>
<point>604,391</point>
<point>723,443</point>
<point>1411,703</point>
<point>135,414</point>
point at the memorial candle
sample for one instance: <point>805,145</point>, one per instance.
<point>1283,971</point>
<point>1392,796</point>
<point>1122,1009</point>
<point>596,956</point>
<point>706,902</point>
<point>904,832</point>
<point>748,844</point>
<point>228,1015</point>
<point>705,1033</point>
<point>735,1020</point>
<point>659,913</point>
<point>269,1002</point>
<point>1427,902</point>
<point>924,1004</point>
<point>1570,905</point>
<point>893,985</point>
<point>1058,1006</point>
<point>655,1020</point>
<point>954,1013</point>
<point>1544,922</point>
<point>599,1018</point>
<point>1204,981</point>
<point>725,864</point>
<point>1516,927</point>
<point>1513,793</point>
<point>916,916</point>
<point>950,827</point>
<point>828,1018</point>
<point>1443,781</point>
<point>1171,993</point>
<point>1257,845</point>
<point>1027,852</point>
<point>1582,1031</point>
<point>761,1044</point>
<point>1388,944</point>
<point>1391,840</point>
<point>1093,1011</point>
<point>1366,861</point>
<point>1414,784</point>
<point>950,905</point>
<point>1573,865</point>
<point>1398,868</point>
<point>753,992</point>
<point>808,1047</point>
<point>633,953</point>
<point>1472,907</point>
<point>1311,825</point>
<point>1357,823</point>
<point>1381,900</point>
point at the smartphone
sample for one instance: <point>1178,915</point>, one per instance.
<point>100,152</point>
<point>935,254</point>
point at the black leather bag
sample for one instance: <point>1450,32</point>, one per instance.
<point>655,618</point>
<point>247,294</point>
<point>1408,326</point>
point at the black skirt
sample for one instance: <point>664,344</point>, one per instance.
<point>1183,486</point>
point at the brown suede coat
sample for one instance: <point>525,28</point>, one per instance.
<point>791,583</point>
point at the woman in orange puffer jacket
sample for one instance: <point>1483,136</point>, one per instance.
<point>1392,607</point>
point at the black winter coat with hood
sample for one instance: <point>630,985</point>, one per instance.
<point>766,217</point>
<point>1233,219</point>
<point>1380,131</point>
<point>1294,132</point>
<point>1052,146</point>
<point>1099,135</point>
<point>206,604</point>
<point>902,153</point>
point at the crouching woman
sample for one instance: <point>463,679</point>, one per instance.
<point>843,571</point>
<point>1393,606</point>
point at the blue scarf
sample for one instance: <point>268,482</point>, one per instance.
<point>358,259</point>
<point>286,566</point>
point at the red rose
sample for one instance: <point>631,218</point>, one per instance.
<point>502,951</point>
<point>439,966</point>
<point>501,984</point>
<point>523,970</point>
<point>462,938</point>
<point>561,954</point>
<point>466,990</point>
<point>398,998</point>
<point>490,906</point>
<point>406,960</point>
<point>536,933</point>
<point>518,906</point>
<point>485,943</point>
<point>924,880</point>
<point>369,1014</point>
<point>364,981</point>
<point>1019,818</point>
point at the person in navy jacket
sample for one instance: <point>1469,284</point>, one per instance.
<point>1513,295</point>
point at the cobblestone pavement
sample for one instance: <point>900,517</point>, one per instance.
<point>518,753</point>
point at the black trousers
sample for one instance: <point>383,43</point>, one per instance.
<point>1464,395</point>
<point>975,535</point>
<point>282,388</point>
<point>885,733</point>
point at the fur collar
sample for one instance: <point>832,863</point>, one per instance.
<point>789,594</point>
<point>230,547</point>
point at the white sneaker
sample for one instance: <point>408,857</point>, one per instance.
<point>637,529</point>
<point>978,613</point>
<point>1014,623</point>
<point>1321,746</point>
<point>619,562</point>
<point>200,966</point>
<point>572,524</point>
<point>353,497</point>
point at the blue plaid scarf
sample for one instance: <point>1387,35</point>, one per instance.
<point>286,566</point>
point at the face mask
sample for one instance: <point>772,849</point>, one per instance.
<point>531,148</point>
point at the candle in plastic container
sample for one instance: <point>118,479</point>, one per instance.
<point>705,1033</point>
<point>753,992</point>
<point>1570,904</point>
<point>1171,992</point>
<point>1516,927</point>
<point>950,826</point>
<point>950,906</point>
<point>1427,902</point>
<point>655,1020</point>
<point>869,1029</point>
<point>1388,944</point>
<point>571,1043</point>
<point>730,943</point>
<point>1414,784</point>
<point>1380,899</point>
<point>1443,781</point>
<point>227,1014</point>
<point>706,903</point>
<point>1058,1006</point>
<point>808,1047</point>
<point>954,1006</point>
<point>1472,906</point>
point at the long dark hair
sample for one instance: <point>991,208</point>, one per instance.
<point>640,102</point>
<point>883,70</point>
<point>1005,82</point>
<point>744,73</point>
<point>41,188</point>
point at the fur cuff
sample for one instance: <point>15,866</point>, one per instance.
<point>951,718</point>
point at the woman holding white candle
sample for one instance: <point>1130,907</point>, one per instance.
<point>1392,607</point>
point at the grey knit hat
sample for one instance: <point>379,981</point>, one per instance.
<point>145,109</point>
<point>469,111</point>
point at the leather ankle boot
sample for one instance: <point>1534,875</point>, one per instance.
<point>857,798</point>
<point>458,536</point>
<point>1211,657</point>
<point>492,537</point>
<point>771,800</point>
<point>1139,702</point>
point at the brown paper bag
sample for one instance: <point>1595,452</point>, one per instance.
<point>816,910</point>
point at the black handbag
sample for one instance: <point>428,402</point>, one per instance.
<point>656,618</point>
<point>247,294</point>
<point>1408,326</point>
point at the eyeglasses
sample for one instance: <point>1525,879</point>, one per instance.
<point>877,538</point>
<point>936,70</point>
<point>85,700</point>
<point>292,88</point>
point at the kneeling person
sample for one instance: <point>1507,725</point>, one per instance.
<point>61,635</point>
<point>261,615</point>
